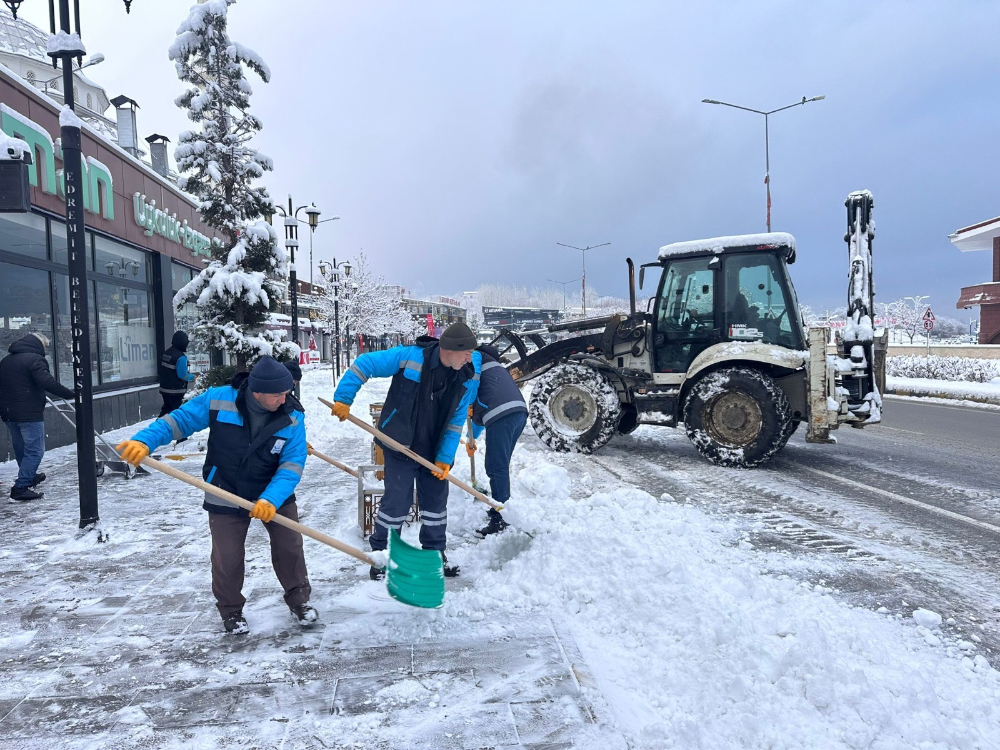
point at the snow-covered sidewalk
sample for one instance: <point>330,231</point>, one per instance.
<point>958,390</point>
<point>622,620</point>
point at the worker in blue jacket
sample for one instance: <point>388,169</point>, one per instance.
<point>256,449</point>
<point>433,384</point>
<point>173,372</point>
<point>500,411</point>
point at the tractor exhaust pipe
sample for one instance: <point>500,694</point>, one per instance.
<point>631,287</point>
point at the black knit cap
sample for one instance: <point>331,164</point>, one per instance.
<point>270,376</point>
<point>458,337</point>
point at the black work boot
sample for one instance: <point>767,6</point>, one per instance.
<point>236,624</point>
<point>305,614</point>
<point>450,571</point>
<point>495,525</point>
<point>39,478</point>
<point>376,574</point>
<point>24,494</point>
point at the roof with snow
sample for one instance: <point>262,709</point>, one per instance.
<point>22,38</point>
<point>976,237</point>
<point>762,241</point>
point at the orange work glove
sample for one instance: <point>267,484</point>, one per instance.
<point>263,510</point>
<point>470,447</point>
<point>340,410</point>
<point>132,451</point>
<point>443,469</point>
<point>470,412</point>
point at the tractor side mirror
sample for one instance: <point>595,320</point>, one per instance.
<point>642,275</point>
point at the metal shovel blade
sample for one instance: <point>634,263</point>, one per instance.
<point>414,576</point>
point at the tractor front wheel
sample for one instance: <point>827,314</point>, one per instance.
<point>574,408</point>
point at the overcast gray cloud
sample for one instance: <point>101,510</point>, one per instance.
<point>460,141</point>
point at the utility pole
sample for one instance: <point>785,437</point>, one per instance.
<point>584,277</point>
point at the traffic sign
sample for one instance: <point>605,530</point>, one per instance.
<point>928,324</point>
<point>929,315</point>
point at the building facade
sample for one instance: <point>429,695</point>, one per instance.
<point>145,240</point>
<point>985,296</point>
<point>437,314</point>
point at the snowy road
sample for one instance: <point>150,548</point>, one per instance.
<point>910,509</point>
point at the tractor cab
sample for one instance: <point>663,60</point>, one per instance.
<point>726,289</point>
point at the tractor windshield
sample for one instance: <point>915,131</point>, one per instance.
<point>760,305</point>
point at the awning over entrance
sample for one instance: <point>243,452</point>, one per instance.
<point>980,294</point>
<point>977,237</point>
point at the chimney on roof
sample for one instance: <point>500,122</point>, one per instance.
<point>158,154</point>
<point>128,134</point>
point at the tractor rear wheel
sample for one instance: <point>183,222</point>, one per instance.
<point>574,408</point>
<point>737,416</point>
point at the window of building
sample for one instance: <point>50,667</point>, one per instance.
<point>186,319</point>
<point>60,251</point>
<point>126,333</point>
<point>23,234</point>
<point>25,305</point>
<point>63,345</point>
<point>120,261</point>
<point>30,77</point>
<point>90,101</point>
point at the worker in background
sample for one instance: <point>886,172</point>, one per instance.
<point>500,410</point>
<point>256,449</point>
<point>174,375</point>
<point>434,382</point>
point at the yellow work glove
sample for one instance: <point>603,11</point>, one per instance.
<point>263,510</point>
<point>470,447</point>
<point>443,469</point>
<point>340,410</point>
<point>132,451</point>
<point>470,412</point>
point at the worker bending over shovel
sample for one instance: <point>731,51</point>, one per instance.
<point>433,384</point>
<point>500,410</point>
<point>256,449</point>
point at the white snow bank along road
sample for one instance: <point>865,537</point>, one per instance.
<point>696,647</point>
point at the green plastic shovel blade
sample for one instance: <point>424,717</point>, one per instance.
<point>414,576</point>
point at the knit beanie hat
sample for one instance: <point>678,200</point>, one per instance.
<point>270,376</point>
<point>293,367</point>
<point>458,337</point>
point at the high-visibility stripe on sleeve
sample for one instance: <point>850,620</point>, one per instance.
<point>291,466</point>
<point>358,374</point>
<point>175,428</point>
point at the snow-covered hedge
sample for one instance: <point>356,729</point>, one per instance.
<point>943,368</point>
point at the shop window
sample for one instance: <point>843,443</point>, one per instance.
<point>23,234</point>
<point>25,305</point>
<point>60,251</point>
<point>63,345</point>
<point>126,333</point>
<point>120,261</point>
<point>186,319</point>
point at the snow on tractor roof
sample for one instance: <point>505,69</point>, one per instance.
<point>762,241</point>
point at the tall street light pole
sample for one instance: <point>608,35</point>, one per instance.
<point>333,271</point>
<point>564,283</point>
<point>65,48</point>
<point>584,277</point>
<point>314,221</point>
<point>767,149</point>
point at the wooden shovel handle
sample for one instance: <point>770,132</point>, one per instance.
<point>247,505</point>
<point>335,462</point>
<point>419,459</point>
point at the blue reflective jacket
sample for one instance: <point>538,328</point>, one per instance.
<point>404,364</point>
<point>269,467</point>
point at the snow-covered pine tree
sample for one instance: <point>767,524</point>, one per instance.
<point>238,289</point>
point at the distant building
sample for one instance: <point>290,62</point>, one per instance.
<point>985,296</point>
<point>436,315</point>
<point>518,318</point>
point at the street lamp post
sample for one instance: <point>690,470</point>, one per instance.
<point>70,47</point>
<point>333,271</point>
<point>564,283</point>
<point>767,149</point>
<point>314,221</point>
<point>584,277</point>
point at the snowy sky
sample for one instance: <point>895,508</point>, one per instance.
<point>460,142</point>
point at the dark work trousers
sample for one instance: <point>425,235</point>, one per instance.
<point>501,437</point>
<point>171,401</point>
<point>400,473</point>
<point>229,535</point>
<point>28,441</point>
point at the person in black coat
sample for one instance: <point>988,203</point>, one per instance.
<point>173,372</point>
<point>24,380</point>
